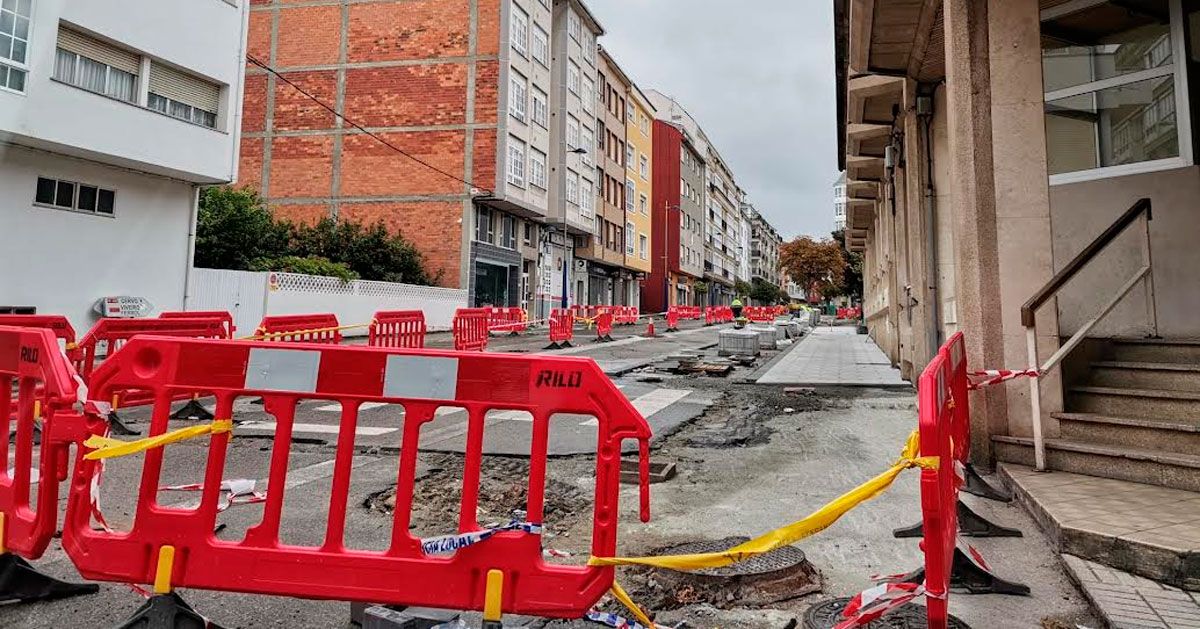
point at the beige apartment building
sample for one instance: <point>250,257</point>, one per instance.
<point>639,183</point>
<point>997,155</point>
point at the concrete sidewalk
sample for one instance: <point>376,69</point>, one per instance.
<point>835,356</point>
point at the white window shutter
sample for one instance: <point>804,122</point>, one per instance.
<point>185,88</point>
<point>96,50</point>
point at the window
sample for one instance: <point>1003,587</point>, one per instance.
<point>629,228</point>
<point>528,239</point>
<point>588,95</point>
<point>629,195</point>
<point>1110,98</point>
<point>483,225</point>
<point>587,143</point>
<point>516,162</point>
<point>629,156</point>
<point>643,245</point>
<point>588,195</point>
<point>573,26</point>
<point>508,232</point>
<point>643,203</point>
<point>183,96</point>
<point>572,187</point>
<point>520,30</point>
<point>629,112</point>
<point>537,168</point>
<point>14,43</point>
<point>69,195</point>
<point>588,42</point>
<point>573,77</point>
<point>644,123</point>
<point>518,96</point>
<point>541,45</point>
<point>644,167</point>
<point>94,65</point>
<point>572,131</point>
<point>541,110</point>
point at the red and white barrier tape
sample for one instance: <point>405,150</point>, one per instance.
<point>875,603</point>
<point>239,491</point>
<point>996,376</point>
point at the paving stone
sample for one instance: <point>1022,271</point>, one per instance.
<point>1127,601</point>
<point>835,356</point>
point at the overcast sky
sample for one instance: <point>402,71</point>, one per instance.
<point>758,76</point>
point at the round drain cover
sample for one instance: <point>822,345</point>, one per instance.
<point>784,558</point>
<point>828,613</point>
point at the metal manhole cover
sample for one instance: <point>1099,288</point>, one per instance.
<point>827,614</point>
<point>785,558</point>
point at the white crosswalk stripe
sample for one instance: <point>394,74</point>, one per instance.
<point>365,406</point>
<point>651,403</point>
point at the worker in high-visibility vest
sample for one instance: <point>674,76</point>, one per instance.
<point>736,308</point>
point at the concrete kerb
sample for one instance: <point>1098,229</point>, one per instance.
<point>758,372</point>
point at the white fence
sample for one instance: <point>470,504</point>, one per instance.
<point>250,296</point>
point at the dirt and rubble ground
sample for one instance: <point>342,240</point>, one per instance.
<point>749,457</point>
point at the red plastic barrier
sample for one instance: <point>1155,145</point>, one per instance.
<point>604,325</point>
<point>221,315</point>
<point>507,319</point>
<point>471,329</point>
<point>58,324</point>
<point>114,333</point>
<point>421,381</point>
<point>944,434</point>
<point>672,318</point>
<point>562,328</point>
<point>397,328</point>
<point>32,366</point>
<point>301,328</point>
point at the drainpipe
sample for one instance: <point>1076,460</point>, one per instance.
<point>933,301</point>
<point>191,247</point>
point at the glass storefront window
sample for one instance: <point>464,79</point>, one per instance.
<point>1120,125</point>
<point>491,285</point>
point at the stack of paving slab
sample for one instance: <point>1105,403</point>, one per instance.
<point>769,335</point>
<point>792,328</point>
<point>738,343</point>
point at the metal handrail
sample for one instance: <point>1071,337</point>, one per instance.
<point>1141,209</point>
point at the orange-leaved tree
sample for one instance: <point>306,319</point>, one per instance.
<point>812,263</point>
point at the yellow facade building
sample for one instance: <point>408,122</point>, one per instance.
<point>639,162</point>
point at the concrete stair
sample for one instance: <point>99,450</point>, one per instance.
<point>1134,416</point>
<point>1126,487</point>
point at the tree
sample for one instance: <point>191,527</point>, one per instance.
<point>235,230</point>
<point>854,278</point>
<point>763,292</point>
<point>742,289</point>
<point>812,263</point>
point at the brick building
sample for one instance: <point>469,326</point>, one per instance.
<point>464,87</point>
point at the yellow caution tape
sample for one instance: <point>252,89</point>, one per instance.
<point>108,448</point>
<point>623,598</point>
<point>274,335</point>
<point>792,533</point>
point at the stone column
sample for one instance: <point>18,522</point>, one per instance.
<point>1022,200</point>
<point>969,119</point>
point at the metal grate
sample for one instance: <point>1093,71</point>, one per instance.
<point>785,558</point>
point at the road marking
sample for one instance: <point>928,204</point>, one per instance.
<point>651,403</point>
<point>365,406</point>
<point>330,429</point>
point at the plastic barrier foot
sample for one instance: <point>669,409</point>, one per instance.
<point>118,427</point>
<point>976,486</point>
<point>166,611</point>
<point>965,575</point>
<point>194,411</point>
<point>20,581</point>
<point>552,346</point>
<point>970,524</point>
<point>565,344</point>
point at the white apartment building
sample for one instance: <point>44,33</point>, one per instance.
<point>112,114</point>
<point>573,107</point>
<point>523,172</point>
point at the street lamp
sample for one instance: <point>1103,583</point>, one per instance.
<point>565,281</point>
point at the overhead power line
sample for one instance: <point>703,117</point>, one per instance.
<point>359,127</point>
